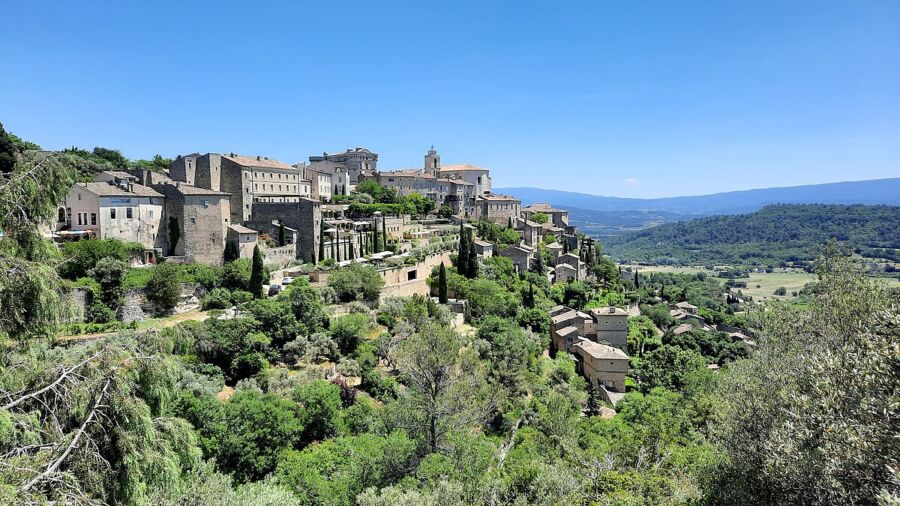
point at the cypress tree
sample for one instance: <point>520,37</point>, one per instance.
<point>637,279</point>
<point>509,223</point>
<point>231,251</point>
<point>472,261</point>
<point>462,257</point>
<point>281,238</point>
<point>442,284</point>
<point>257,274</point>
<point>322,240</point>
<point>384,230</point>
<point>174,234</point>
<point>333,249</point>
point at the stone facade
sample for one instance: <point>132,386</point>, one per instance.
<point>244,238</point>
<point>203,216</point>
<point>304,216</point>
<point>354,160</point>
<point>500,209</point>
<point>117,209</point>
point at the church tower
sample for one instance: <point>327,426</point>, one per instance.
<point>432,162</point>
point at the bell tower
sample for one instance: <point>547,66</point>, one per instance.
<point>432,162</point>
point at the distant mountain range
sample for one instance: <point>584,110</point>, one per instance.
<point>599,215</point>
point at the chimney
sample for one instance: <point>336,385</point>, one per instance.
<point>258,157</point>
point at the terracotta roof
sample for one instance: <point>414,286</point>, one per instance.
<point>461,167</point>
<point>111,190</point>
<point>258,161</point>
<point>601,351</point>
<point>565,266</point>
<point>543,208</point>
<point>455,181</point>
<point>561,317</point>
<point>483,244</point>
<point>685,305</point>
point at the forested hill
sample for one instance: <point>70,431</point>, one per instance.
<point>773,235</point>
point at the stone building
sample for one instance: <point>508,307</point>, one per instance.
<point>244,239</point>
<point>577,266</point>
<point>304,216</point>
<point>605,366</point>
<point>354,160</point>
<point>529,231</point>
<point>116,208</point>
<point>203,216</point>
<point>609,325</point>
<point>564,273</point>
<point>478,177</point>
<point>484,249</point>
<point>520,255</point>
<point>557,217</point>
<point>247,179</point>
<point>498,208</point>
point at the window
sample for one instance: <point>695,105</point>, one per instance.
<point>128,213</point>
<point>93,218</point>
<point>61,215</point>
<point>151,213</point>
<point>79,196</point>
<point>112,214</point>
<point>79,219</point>
<point>205,203</point>
<point>193,221</point>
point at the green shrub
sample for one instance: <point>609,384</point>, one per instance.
<point>236,275</point>
<point>240,296</point>
<point>163,287</point>
<point>219,298</point>
<point>98,312</point>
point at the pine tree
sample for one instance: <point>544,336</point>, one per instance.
<point>257,273</point>
<point>462,257</point>
<point>281,236</point>
<point>442,284</point>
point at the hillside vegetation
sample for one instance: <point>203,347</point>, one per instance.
<point>775,235</point>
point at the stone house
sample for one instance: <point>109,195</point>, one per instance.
<point>500,209</point>
<point>564,273</point>
<point>244,238</point>
<point>529,231</point>
<point>687,307</point>
<point>603,365</point>
<point>557,217</point>
<point>521,257</point>
<point>566,326</point>
<point>116,208</point>
<point>484,249</point>
<point>572,260</point>
<point>555,249</point>
<point>609,325</point>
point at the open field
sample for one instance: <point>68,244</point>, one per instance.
<point>761,286</point>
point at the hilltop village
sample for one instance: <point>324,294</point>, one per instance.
<point>310,217</point>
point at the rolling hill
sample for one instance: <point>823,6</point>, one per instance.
<point>774,235</point>
<point>621,213</point>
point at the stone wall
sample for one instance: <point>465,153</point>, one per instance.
<point>136,307</point>
<point>280,256</point>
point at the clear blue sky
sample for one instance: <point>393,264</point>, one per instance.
<point>615,98</point>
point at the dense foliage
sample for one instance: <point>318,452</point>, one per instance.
<point>776,235</point>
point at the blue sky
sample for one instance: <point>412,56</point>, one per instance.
<point>639,99</point>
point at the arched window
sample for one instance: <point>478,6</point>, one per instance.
<point>61,215</point>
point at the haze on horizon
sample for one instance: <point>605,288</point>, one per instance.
<point>631,100</point>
